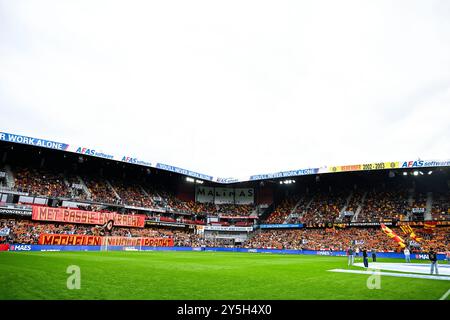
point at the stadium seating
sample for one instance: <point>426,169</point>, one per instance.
<point>384,205</point>
<point>40,183</point>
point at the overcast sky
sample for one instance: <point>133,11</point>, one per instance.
<point>231,88</point>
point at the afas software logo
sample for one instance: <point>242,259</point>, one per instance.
<point>413,164</point>
<point>93,152</point>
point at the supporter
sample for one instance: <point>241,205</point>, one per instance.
<point>41,183</point>
<point>281,212</point>
<point>100,190</point>
<point>28,232</point>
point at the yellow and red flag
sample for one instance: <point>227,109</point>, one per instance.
<point>391,234</point>
<point>429,226</point>
<point>415,237</point>
<point>406,229</point>
<point>409,231</point>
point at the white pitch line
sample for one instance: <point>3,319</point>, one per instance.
<point>445,295</point>
<point>392,274</point>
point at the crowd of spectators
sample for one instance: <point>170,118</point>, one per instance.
<point>380,203</point>
<point>384,205</point>
<point>441,206</point>
<point>40,183</point>
<point>341,239</point>
<point>100,191</point>
<point>132,194</point>
<point>283,210</point>
<point>27,232</point>
<point>325,207</point>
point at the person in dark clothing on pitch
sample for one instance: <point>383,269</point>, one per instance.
<point>433,258</point>
<point>365,258</point>
<point>374,255</point>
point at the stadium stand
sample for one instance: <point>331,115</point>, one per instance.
<point>323,239</point>
<point>41,183</point>
<point>383,205</point>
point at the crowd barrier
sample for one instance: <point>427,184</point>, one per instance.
<point>35,247</point>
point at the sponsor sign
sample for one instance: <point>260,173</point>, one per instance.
<point>20,247</point>
<point>136,161</point>
<point>366,166</point>
<point>281,226</point>
<point>284,174</point>
<point>94,153</point>
<point>33,141</point>
<point>184,171</point>
<point>221,228</point>
<point>14,211</point>
<point>424,164</point>
<point>227,180</point>
<point>367,224</point>
<point>86,217</point>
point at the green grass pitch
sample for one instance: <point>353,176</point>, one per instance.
<point>197,275</point>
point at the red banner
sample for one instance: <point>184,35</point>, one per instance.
<point>87,217</point>
<point>84,240</point>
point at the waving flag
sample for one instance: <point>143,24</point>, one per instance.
<point>406,229</point>
<point>409,231</point>
<point>415,237</point>
<point>391,234</point>
<point>429,226</point>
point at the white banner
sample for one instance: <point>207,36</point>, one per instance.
<point>224,196</point>
<point>219,228</point>
<point>204,194</point>
<point>243,196</point>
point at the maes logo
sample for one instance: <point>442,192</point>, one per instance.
<point>413,164</point>
<point>89,152</point>
<point>422,256</point>
<point>20,247</point>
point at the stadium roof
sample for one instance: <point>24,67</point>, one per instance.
<point>83,150</point>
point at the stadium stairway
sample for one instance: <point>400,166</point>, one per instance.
<point>84,187</point>
<point>113,190</point>
<point>344,208</point>
<point>360,207</point>
<point>144,192</point>
<point>10,182</point>
<point>266,213</point>
<point>292,214</point>
<point>429,206</point>
<point>410,203</point>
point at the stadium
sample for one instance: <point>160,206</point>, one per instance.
<point>143,230</point>
<point>224,159</point>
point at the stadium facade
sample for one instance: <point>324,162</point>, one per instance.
<point>63,189</point>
